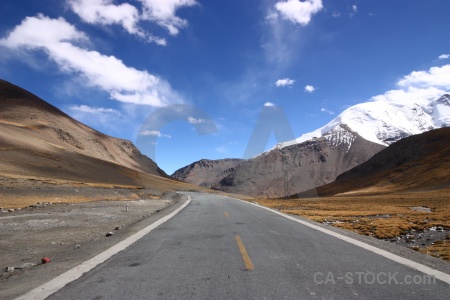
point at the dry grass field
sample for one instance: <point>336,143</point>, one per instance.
<point>402,217</point>
<point>18,191</point>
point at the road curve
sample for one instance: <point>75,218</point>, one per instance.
<point>221,248</point>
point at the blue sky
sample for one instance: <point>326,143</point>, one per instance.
<point>114,64</point>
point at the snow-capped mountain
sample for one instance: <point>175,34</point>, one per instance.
<point>320,156</point>
<point>383,122</point>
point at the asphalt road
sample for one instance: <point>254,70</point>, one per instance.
<point>220,248</point>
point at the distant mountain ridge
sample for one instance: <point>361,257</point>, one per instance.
<point>317,158</point>
<point>292,169</point>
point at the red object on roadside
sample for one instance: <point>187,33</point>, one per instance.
<point>46,260</point>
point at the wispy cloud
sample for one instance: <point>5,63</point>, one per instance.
<point>221,149</point>
<point>154,133</point>
<point>284,82</point>
<point>281,45</point>
<point>193,120</point>
<point>106,119</point>
<point>327,111</point>
<point>65,46</point>
<point>94,110</point>
<point>309,88</point>
<point>354,10</point>
<point>444,56</point>
<point>336,14</point>
<point>163,13</point>
<point>276,43</point>
<point>269,104</point>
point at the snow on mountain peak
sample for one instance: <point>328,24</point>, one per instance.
<point>339,135</point>
<point>383,122</point>
<point>441,111</point>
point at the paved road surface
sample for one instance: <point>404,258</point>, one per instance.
<point>220,248</point>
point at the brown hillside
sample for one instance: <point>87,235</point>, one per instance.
<point>37,119</point>
<point>42,148</point>
<point>420,162</point>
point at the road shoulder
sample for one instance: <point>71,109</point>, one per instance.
<point>70,235</point>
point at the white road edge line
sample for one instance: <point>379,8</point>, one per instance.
<point>62,280</point>
<point>401,260</point>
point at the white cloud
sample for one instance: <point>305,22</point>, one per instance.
<point>104,12</point>
<point>163,13</point>
<point>281,45</point>
<point>154,133</point>
<point>309,89</point>
<point>150,132</point>
<point>193,120</point>
<point>284,82</point>
<point>63,44</point>
<point>435,77</point>
<point>299,12</point>
<point>327,111</point>
<point>410,94</point>
<point>94,110</point>
<point>444,56</point>
<point>107,120</point>
<point>37,31</point>
<point>336,14</point>
<point>271,16</point>
<point>354,10</point>
<point>269,104</point>
<point>221,149</point>
<point>419,86</point>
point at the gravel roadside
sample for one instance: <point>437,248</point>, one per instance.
<point>68,234</point>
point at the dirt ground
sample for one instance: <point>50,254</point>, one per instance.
<point>417,220</point>
<point>69,223</point>
<point>68,234</point>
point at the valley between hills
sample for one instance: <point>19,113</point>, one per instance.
<point>64,187</point>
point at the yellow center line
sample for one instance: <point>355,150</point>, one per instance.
<point>226,214</point>
<point>247,261</point>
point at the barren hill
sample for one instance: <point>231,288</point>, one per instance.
<point>25,113</point>
<point>416,163</point>
<point>41,144</point>
<point>207,172</point>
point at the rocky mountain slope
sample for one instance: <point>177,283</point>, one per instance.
<point>416,163</point>
<point>207,172</point>
<point>319,157</point>
<point>38,140</point>
<point>291,169</point>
